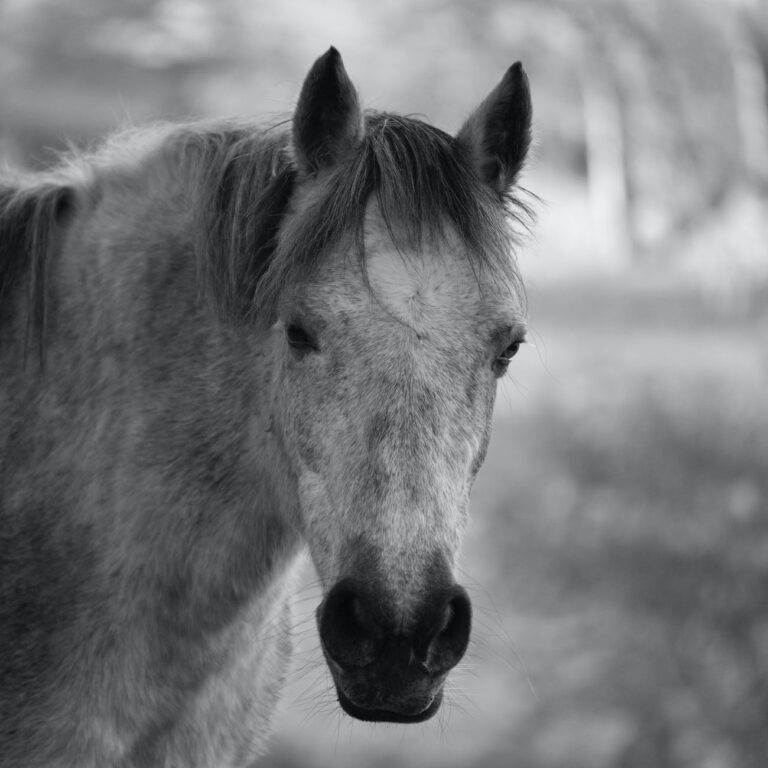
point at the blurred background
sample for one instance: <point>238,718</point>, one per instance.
<point>618,553</point>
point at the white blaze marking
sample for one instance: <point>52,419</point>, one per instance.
<point>420,289</point>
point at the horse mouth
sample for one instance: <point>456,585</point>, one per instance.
<point>403,713</point>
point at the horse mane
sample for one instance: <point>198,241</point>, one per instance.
<point>241,180</point>
<point>31,215</point>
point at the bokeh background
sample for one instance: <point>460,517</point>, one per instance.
<point>618,553</point>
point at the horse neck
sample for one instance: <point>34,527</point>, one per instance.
<point>166,410</point>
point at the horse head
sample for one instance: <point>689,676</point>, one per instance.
<point>387,351</point>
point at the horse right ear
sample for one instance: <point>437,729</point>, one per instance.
<point>498,133</point>
<point>328,121</point>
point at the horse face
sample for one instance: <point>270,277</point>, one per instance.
<point>384,395</point>
<point>386,378</point>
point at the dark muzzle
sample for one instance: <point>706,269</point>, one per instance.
<point>384,669</point>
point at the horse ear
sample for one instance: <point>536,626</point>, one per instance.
<point>498,132</point>
<point>327,122</point>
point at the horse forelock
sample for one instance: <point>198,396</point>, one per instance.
<point>424,186</point>
<point>265,227</point>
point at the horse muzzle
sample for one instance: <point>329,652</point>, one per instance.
<point>384,668</point>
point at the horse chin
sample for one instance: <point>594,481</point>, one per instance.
<point>402,714</point>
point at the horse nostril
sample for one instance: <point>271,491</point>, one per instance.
<point>349,631</point>
<point>448,615</point>
<point>356,611</point>
<point>457,620</point>
<point>447,645</point>
<point>349,614</point>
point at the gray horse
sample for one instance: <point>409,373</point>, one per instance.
<point>220,344</point>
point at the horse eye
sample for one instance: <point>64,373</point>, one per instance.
<point>511,350</point>
<point>300,339</point>
<point>501,363</point>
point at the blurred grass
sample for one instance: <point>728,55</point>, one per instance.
<point>645,522</point>
<point>620,535</point>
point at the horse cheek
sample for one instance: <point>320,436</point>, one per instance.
<point>317,513</point>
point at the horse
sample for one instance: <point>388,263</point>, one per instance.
<point>222,345</point>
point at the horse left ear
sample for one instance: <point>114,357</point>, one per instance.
<point>327,122</point>
<point>498,132</point>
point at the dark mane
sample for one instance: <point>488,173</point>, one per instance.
<point>30,219</point>
<point>421,177</point>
